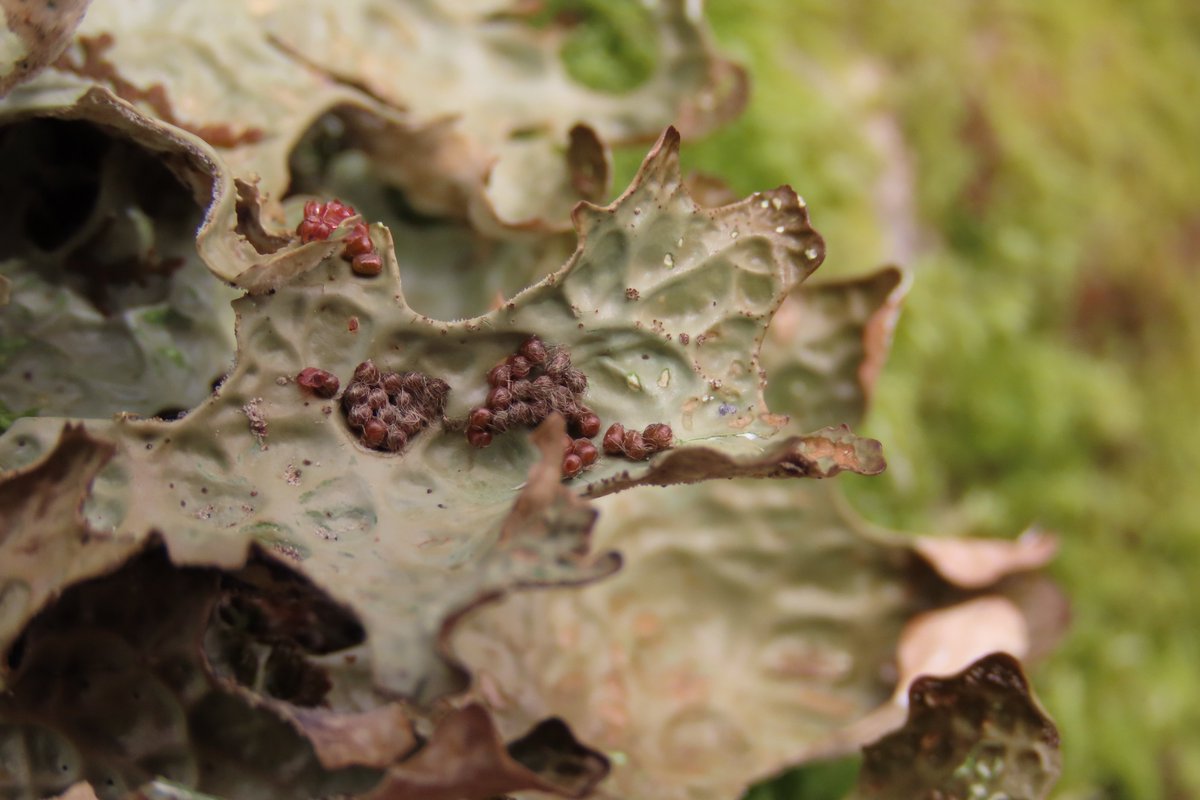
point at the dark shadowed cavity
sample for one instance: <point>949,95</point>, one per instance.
<point>105,217</point>
<point>110,684</point>
<point>110,300</point>
<point>449,269</point>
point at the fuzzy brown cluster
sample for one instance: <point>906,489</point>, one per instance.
<point>655,438</point>
<point>322,219</point>
<point>387,409</point>
<point>527,387</point>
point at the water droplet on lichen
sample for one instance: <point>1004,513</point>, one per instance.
<point>733,234</point>
<point>679,242</point>
<point>668,261</point>
<point>633,381</point>
<point>780,229</point>
<point>812,253</point>
<point>664,380</point>
<point>765,203</point>
<point>778,204</point>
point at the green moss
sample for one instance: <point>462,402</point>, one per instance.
<point>1046,365</point>
<point>611,46</point>
<point>8,416</point>
<point>10,346</point>
<point>823,780</point>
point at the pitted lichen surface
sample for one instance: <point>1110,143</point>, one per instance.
<point>406,539</point>
<point>240,536</point>
<point>980,733</point>
<point>524,101</point>
<point>754,625</point>
<point>461,102</point>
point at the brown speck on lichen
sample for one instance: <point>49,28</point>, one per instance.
<point>684,338</point>
<point>632,294</point>
<point>258,421</point>
<point>287,550</point>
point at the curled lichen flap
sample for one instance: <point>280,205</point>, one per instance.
<point>264,462</point>
<point>111,309</point>
<point>457,150</point>
<point>524,119</point>
<point>978,733</point>
<point>753,627</point>
<point>758,625</point>
<point>32,36</point>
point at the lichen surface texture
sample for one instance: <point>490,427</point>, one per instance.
<point>359,439</point>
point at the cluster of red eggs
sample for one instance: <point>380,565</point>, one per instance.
<point>322,219</point>
<point>656,437</point>
<point>532,383</point>
<point>389,408</point>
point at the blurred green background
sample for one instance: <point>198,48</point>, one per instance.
<point>1036,166</point>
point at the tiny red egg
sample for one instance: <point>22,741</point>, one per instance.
<point>367,264</point>
<point>588,424</point>
<point>499,375</point>
<point>635,446</point>
<point>572,465</point>
<point>318,381</point>
<point>586,451</point>
<point>659,436</point>
<point>478,437</point>
<point>533,350</point>
<point>374,432</point>
<point>499,398</point>
<point>480,418</point>
<point>614,439</point>
<point>519,366</point>
<point>366,372</point>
